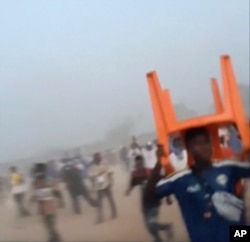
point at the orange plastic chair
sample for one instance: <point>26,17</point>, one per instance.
<point>216,96</point>
<point>229,110</point>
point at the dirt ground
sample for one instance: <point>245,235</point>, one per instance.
<point>127,227</point>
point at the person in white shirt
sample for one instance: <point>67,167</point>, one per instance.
<point>178,155</point>
<point>133,152</point>
<point>102,178</point>
<point>149,154</point>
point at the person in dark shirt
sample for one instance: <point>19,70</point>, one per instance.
<point>124,157</point>
<point>139,177</point>
<point>75,186</point>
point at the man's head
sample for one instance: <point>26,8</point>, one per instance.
<point>139,162</point>
<point>222,140</point>
<point>177,142</point>
<point>198,143</point>
<point>97,158</point>
<point>149,146</point>
<point>40,170</point>
<point>13,169</point>
<point>40,167</point>
<point>134,143</point>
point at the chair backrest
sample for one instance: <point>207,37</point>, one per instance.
<point>159,117</point>
<point>218,105</point>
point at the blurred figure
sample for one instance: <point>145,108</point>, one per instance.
<point>234,140</point>
<point>52,170</point>
<point>149,154</point>
<point>80,163</point>
<point>134,150</point>
<point>231,152</point>
<point>2,189</point>
<point>79,160</point>
<point>124,157</point>
<point>53,176</point>
<point>139,177</point>
<point>18,190</point>
<point>43,194</point>
<point>72,176</point>
<point>134,145</point>
<point>232,149</point>
<point>155,142</point>
<point>102,178</point>
<point>227,151</point>
<point>82,166</point>
<point>178,155</point>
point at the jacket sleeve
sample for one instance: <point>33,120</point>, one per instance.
<point>164,188</point>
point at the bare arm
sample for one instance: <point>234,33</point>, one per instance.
<point>149,191</point>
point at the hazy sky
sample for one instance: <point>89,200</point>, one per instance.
<point>69,70</point>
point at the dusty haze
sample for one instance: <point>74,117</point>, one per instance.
<point>70,71</point>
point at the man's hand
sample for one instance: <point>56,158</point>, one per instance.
<point>169,200</point>
<point>245,156</point>
<point>157,169</point>
<point>160,153</point>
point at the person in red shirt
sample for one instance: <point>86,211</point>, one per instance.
<point>139,177</point>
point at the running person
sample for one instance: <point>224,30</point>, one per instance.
<point>200,190</point>
<point>102,179</point>
<point>139,177</point>
<point>76,187</point>
<point>43,194</point>
<point>18,190</point>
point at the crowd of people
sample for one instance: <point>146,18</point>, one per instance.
<point>199,189</point>
<point>80,177</point>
